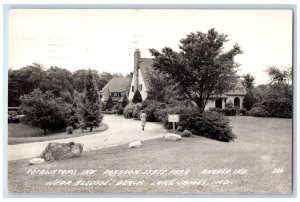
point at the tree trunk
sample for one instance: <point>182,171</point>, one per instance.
<point>91,129</point>
<point>45,131</point>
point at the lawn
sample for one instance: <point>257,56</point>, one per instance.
<point>263,144</point>
<point>20,133</point>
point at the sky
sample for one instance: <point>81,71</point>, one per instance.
<point>105,40</point>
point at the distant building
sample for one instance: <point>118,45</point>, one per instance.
<point>235,96</point>
<point>142,66</point>
<point>117,88</point>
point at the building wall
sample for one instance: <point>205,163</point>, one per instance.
<point>231,98</point>
<point>133,83</point>
<point>130,96</point>
<point>212,104</point>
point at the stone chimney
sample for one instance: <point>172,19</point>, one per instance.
<point>137,61</point>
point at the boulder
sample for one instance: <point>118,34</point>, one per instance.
<point>36,161</point>
<point>135,144</point>
<point>186,133</point>
<point>179,128</point>
<point>172,137</point>
<point>59,151</point>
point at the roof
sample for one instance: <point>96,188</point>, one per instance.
<point>238,90</point>
<point>145,66</point>
<point>117,84</point>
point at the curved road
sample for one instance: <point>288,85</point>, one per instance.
<point>120,131</point>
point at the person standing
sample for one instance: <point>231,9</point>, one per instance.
<point>143,117</point>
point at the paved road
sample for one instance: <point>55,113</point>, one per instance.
<point>120,131</point>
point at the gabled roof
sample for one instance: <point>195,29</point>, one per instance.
<point>238,90</point>
<point>145,66</point>
<point>117,84</point>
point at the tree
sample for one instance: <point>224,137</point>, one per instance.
<point>278,76</point>
<point>137,97</point>
<point>45,110</point>
<point>248,101</point>
<point>276,99</point>
<point>90,108</point>
<point>200,69</point>
<point>109,103</point>
<point>248,83</point>
<point>24,81</point>
<point>57,80</point>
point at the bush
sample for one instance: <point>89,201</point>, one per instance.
<point>120,110</point>
<point>151,107</point>
<point>242,112</point>
<point>259,111</point>
<point>136,111</point>
<point>13,119</point>
<point>186,133</point>
<point>137,97</point>
<point>208,124</point>
<point>230,111</point>
<point>69,130</point>
<point>128,111</point>
<point>218,110</point>
<point>132,110</point>
<point>227,112</point>
<point>109,103</point>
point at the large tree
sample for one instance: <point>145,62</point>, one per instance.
<point>45,110</point>
<point>201,68</point>
<point>90,108</point>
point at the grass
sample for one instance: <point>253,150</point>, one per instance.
<point>20,133</point>
<point>263,144</point>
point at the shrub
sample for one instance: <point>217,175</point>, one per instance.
<point>120,110</point>
<point>242,112</point>
<point>69,130</point>
<point>218,110</point>
<point>136,111</point>
<point>208,124</point>
<point>109,103</point>
<point>151,107</point>
<point>179,128</point>
<point>132,110</point>
<point>186,133</point>
<point>259,111</point>
<point>227,111</point>
<point>137,97</point>
<point>13,119</point>
<point>128,111</point>
<point>230,111</point>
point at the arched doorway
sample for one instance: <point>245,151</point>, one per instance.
<point>237,102</point>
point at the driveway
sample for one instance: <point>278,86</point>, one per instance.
<point>120,131</point>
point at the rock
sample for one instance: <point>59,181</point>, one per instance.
<point>186,133</point>
<point>135,144</point>
<point>36,161</point>
<point>172,137</point>
<point>58,151</point>
<point>179,128</point>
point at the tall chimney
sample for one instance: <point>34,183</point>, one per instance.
<point>137,61</point>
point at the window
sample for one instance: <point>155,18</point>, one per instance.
<point>132,88</point>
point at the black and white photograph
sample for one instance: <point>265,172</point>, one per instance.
<point>150,101</point>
